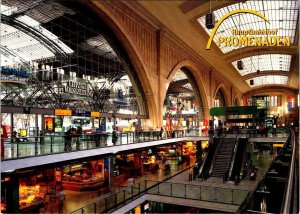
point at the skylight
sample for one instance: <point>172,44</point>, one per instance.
<point>179,76</point>
<point>23,45</point>
<point>268,79</point>
<point>266,62</point>
<point>283,15</point>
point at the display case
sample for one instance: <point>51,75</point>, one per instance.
<point>30,197</point>
<point>85,176</point>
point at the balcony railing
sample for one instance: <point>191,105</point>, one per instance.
<point>20,147</point>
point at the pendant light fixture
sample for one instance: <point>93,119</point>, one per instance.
<point>240,63</point>
<point>210,18</point>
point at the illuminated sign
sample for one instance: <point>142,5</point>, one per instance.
<point>95,114</point>
<point>49,123</point>
<point>249,37</point>
<point>63,112</point>
<point>278,145</point>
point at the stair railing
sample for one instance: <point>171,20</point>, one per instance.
<point>233,157</point>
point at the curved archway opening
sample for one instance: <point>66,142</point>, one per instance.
<point>220,98</point>
<point>87,71</point>
<point>183,106</point>
<point>236,101</point>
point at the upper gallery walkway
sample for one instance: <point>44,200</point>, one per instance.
<point>39,151</point>
<point>86,149</point>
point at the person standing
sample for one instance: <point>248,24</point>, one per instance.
<point>68,138</point>
<point>61,200</point>
<point>78,136</point>
<point>161,132</point>
<point>114,136</point>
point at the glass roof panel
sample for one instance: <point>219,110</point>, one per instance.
<point>268,79</point>
<point>266,62</point>
<point>283,15</point>
<point>179,76</point>
<point>23,45</point>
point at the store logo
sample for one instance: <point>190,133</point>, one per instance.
<point>250,37</point>
<point>76,88</point>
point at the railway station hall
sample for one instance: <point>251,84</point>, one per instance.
<point>149,106</point>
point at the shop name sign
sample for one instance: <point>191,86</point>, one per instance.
<point>249,37</point>
<point>76,88</point>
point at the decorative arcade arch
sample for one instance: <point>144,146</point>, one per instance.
<point>220,98</point>
<point>184,105</point>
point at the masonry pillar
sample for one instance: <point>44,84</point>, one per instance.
<point>12,194</point>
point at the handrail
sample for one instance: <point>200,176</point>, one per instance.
<point>233,158</point>
<point>133,196</point>
<point>202,164</point>
<point>247,200</point>
<point>53,144</point>
<point>289,186</point>
<point>214,159</point>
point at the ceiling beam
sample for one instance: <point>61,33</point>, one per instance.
<point>269,88</point>
<point>264,73</point>
<point>253,51</point>
<point>215,4</point>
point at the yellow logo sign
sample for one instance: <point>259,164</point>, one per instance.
<point>248,37</point>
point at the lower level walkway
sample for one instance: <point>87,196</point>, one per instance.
<point>75,200</point>
<point>208,194</point>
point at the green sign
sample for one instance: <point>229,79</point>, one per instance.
<point>237,110</point>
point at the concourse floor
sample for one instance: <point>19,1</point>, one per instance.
<point>213,189</point>
<point>75,200</point>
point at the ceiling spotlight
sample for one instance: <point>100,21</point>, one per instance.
<point>240,64</point>
<point>210,20</point>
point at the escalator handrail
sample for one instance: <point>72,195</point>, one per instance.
<point>289,186</point>
<point>233,157</point>
<point>202,164</point>
<point>215,155</point>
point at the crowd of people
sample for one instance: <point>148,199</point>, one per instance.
<point>72,133</point>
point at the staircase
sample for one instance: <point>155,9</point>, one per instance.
<point>223,157</point>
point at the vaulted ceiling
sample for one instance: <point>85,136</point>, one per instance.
<point>264,65</point>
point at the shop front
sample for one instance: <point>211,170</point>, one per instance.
<point>83,176</point>
<point>40,190</point>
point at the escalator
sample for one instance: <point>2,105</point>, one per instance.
<point>240,160</point>
<point>223,158</point>
<point>208,159</point>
